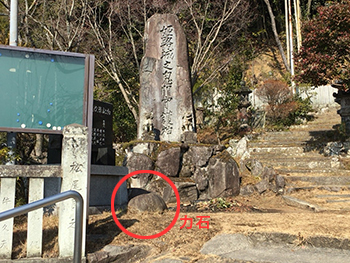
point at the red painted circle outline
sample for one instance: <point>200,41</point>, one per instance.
<point>177,213</point>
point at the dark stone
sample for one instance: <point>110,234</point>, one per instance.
<point>247,190</point>
<point>189,137</point>
<point>268,174</point>
<point>262,186</point>
<point>186,171</point>
<point>168,161</point>
<point>280,182</point>
<point>187,191</point>
<point>137,162</point>
<point>150,202</point>
<point>100,256</point>
<point>157,186</point>
<point>188,167</point>
<point>257,168</point>
<point>133,192</point>
<point>223,176</point>
<point>218,148</point>
<point>119,254</point>
<point>200,155</point>
<point>201,179</point>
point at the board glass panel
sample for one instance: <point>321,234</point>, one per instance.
<point>43,91</point>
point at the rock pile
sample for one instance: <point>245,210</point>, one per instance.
<point>257,178</point>
<point>199,171</point>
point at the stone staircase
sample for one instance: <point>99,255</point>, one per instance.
<point>323,182</point>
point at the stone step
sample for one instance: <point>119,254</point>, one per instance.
<point>307,171</point>
<point>289,143</point>
<point>295,134</point>
<point>315,126</point>
<point>320,180</point>
<point>276,150</point>
<point>295,139</point>
<point>277,153</point>
<point>300,162</point>
<point>286,143</point>
<point>316,173</point>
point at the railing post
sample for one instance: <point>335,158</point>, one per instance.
<point>75,176</point>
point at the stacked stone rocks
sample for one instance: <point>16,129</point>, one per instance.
<point>198,171</point>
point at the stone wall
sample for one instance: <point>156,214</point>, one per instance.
<point>321,97</point>
<point>199,171</point>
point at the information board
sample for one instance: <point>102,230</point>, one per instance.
<point>43,91</point>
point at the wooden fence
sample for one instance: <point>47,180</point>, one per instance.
<point>74,171</point>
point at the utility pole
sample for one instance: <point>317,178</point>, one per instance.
<point>11,136</point>
<point>13,22</point>
<point>287,29</point>
<point>290,43</point>
<point>290,38</point>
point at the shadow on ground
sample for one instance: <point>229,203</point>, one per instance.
<point>50,238</point>
<point>102,232</point>
<point>319,139</point>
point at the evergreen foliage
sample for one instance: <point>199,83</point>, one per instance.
<point>325,52</point>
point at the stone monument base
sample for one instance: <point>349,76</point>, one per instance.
<point>199,172</point>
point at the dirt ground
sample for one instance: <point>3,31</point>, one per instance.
<point>267,213</point>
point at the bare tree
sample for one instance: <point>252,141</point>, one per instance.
<point>62,23</point>
<point>108,29</point>
<point>210,25</point>
<point>274,29</point>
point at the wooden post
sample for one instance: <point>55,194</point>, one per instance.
<point>75,176</point>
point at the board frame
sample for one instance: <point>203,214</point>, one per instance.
<point>88,88</point>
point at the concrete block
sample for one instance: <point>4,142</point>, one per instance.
<point>102,183</point>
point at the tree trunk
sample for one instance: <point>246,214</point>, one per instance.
<point>39,145</point>
<point>279,44</point>
<point>308,10</point>
<point>298,23</point>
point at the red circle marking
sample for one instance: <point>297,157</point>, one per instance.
<point>177,213</point>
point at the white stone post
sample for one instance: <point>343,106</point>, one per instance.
<point>75,176</point>
<point>7,202</point>
<point>35,219</point>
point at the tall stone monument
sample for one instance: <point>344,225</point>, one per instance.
<point>166,105</point>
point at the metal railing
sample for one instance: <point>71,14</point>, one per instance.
<point>52,200</point>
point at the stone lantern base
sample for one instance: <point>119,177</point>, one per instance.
<point>343,98</point>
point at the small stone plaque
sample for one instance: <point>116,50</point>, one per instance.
<point>102,134</point>
<point>102,126</point>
